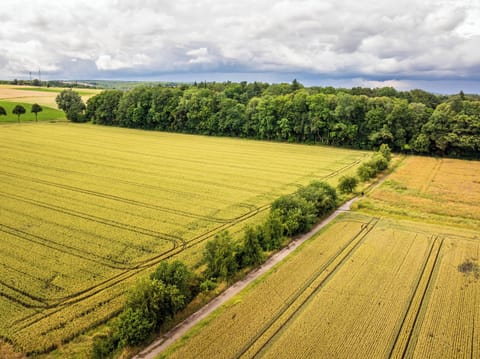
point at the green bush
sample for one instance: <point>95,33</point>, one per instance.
<point>347,184</point>
<point>207,285</point>
<point>366,171</point>
<point>250,252</point>
<point>321,195</point>
<point>177,273</point>
<point>134,326</point>
<point>270,233</point>
<point>220,257</point>
<point>104,346</point>
<point>296,213</point>
<point>157,300</point>
<point>379,162</point>
<point>385,151</point>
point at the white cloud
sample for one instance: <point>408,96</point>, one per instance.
<point>362,39</point>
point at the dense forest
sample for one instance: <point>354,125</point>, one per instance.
<point>409,121</point>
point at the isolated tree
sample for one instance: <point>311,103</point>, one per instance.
<point>36,108</point>
<point>18,110</point>
<point>71,103</point>
<point>347,184</point>
<point>3,112</point>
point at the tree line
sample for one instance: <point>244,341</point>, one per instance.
<point>19,110</point>
<point>408,121</point>
<point>155,300</point>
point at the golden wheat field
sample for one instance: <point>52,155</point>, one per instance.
<point>430,189</point>
<point>41,95</point>
<point>85,210</point>
<point>365,287</point>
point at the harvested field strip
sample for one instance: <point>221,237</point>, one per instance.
<point>417,300</point>
<point>442,191</point>
<point>258,344</point>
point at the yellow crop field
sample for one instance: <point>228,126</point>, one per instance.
<point>449,325</point>
<point>365,287</point>
<point>252,311</point>
<point>41,95</point>
<point>430,189</point>
<point>85,210</point>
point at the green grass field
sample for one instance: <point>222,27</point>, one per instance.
<point>86,210</point>
<point>57,90</point>
<point>48,113</point>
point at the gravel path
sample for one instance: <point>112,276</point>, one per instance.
<point>160,344</point>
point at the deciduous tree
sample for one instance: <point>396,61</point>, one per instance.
<point>36,108</point>
<point>71,103</point>
<point>18,110</point>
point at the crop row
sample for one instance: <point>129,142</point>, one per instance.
<point>155,147</point>
<point>36,181</point>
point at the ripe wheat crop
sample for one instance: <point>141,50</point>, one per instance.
<point>86,210</point>
<point>364,287</point>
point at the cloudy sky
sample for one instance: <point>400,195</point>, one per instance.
<point>431,44</point>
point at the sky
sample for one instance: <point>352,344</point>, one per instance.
<point>428,44</point>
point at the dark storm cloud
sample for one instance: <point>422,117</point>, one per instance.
<point>433,39</point>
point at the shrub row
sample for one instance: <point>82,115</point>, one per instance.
<point>290,215</point>
<point>155,300</point>
<point>379,162</point>
<point>151,303</point>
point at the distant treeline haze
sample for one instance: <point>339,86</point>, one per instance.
<point>363,118</point>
